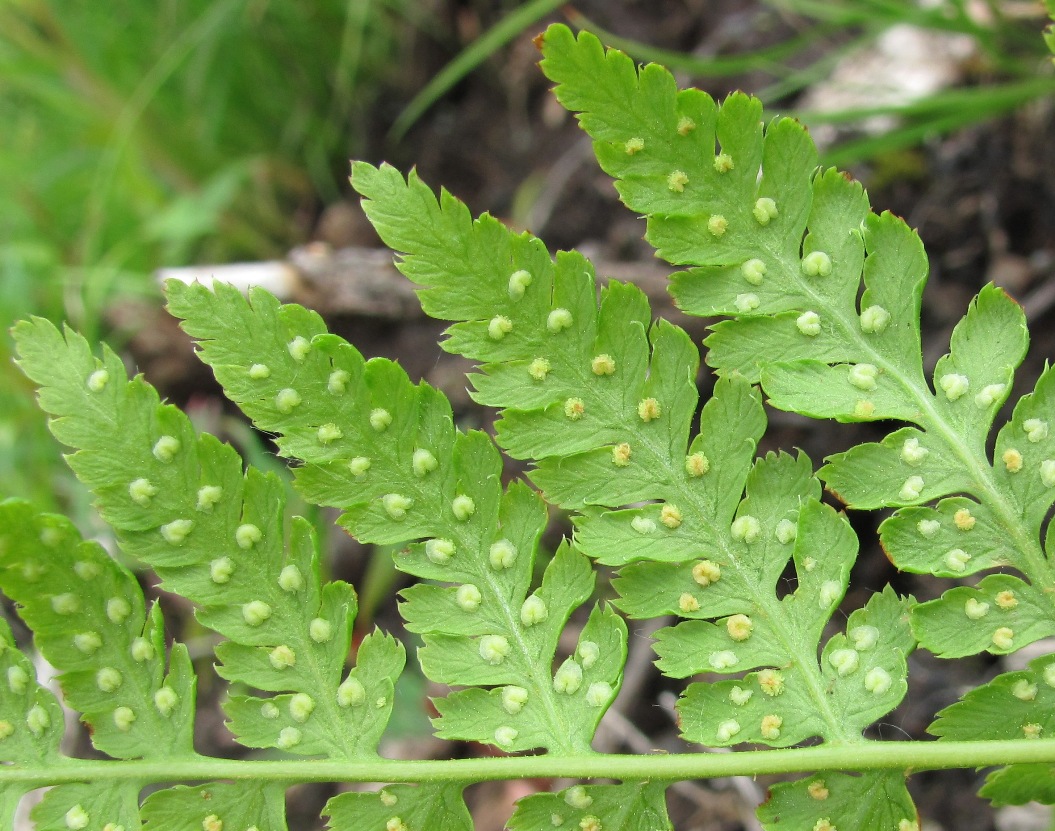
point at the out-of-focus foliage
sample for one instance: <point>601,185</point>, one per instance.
<point>143,133</point>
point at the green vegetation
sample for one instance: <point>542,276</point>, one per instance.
<point>819,299</point>
<point>127,147</point>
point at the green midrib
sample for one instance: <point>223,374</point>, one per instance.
<point>912,756</point>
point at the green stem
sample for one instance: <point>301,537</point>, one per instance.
<point>908,756</point>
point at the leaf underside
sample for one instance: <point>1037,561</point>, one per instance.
<point>821,305</point>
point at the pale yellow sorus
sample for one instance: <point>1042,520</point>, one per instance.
<point>765,210</point>
<point>648,409</point>
<point>603,364</point>
<point>817,264</point>
<point>463,507</point>
<point>98,380</point>
<point>746,303</point>
<point>538,369</point>
<point>677,181</point>
<point>723,163</point>
<point>975,609</point>
<point>221,569</point>
<point>574,409</point>
<point>670,515</point>
<point>1036,429</point>
<point>621,455</point>
<point>558,320</point>
<point>1006,600</point>
<point>696,465</point>
<point>770,727</point>
<point>1012,460</point>
<point>706,572</point>
<point>1004,638</point>
<point>964,520</point>
<point>809,324</point>
<point>739,627</point>
<point>287,400</point>
<point>754,271</point>
<point>499,327</point>
<point>423,462</point>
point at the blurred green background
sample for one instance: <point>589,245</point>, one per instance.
<point>139,133</point>
<point>136,134</point>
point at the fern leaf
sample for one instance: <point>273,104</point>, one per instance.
<point>574,374</point>
<point>181,503</point>
<point>830,801</point>
<point>27,737</point>
<point>784,250</point>
<point>698,519</point>
<point>1020,785</point>
<point>862,676</point>
<point>699,550</point>
<point>440,490</point>
<point>89,805</point>
<point>631,806</point>
<point>31,721</point>
<point>91,623</point>
<point>608,422</point>
<point>1014,705</point>
<point>401,808</point>
<point>216,806</point>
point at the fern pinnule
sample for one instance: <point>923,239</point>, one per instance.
<point>216,805</point>
<point>91,623</point>
<point>31,723</point>
<point>401,807</point>
<point>33,736</point>
<point>631,806</point>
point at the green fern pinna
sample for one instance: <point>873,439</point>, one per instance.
<point>601,400</point>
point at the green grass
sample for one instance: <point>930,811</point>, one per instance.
<point>140,134</point>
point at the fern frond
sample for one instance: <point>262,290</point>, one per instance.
<point>115,804</point>
<point>795,246</point>
<point>734,550</point>
<point>401,473</point>
<point>831,801</point>
<point>91,623</point>
<point>699,549</point>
